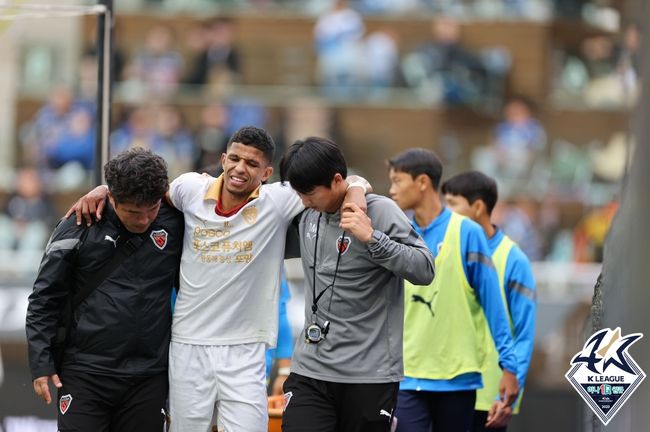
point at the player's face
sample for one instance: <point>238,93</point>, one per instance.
<point>321,199</point>
<point>460,205</point>
<point>244,169</point>
<point>404,190</point>
<point>136,218</point>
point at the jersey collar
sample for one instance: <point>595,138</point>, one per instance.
<point>214,194</point>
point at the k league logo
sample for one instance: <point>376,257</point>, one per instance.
<point>604,373</point>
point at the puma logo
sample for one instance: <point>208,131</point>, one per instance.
<point>110,239</point>
<point>419,299</point>
<point>384,413</point>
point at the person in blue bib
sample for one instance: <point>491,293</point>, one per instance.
<point>474,194</point>
<point>448,323</point>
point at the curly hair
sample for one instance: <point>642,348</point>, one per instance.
<point>137,176</point>
<point>254,137</point>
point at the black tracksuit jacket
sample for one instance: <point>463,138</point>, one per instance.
<point>123,327</point>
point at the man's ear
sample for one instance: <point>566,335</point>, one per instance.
<point>422,181</point>
<point>338,178</point>
<point>268,172</point>
<point>479,208</point>
<point>111,199</point>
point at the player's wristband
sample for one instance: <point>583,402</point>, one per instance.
<point>284,371</point>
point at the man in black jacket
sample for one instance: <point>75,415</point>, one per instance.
<point>113,371</point>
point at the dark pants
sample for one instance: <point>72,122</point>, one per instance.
<point>103,403</point>
<point>480,417</point>
<point>425,411</point>
<point>320,406</point>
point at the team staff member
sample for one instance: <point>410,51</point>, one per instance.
<point>113,375</point>
<point>347,376</point>
<point>226,313</point>
<point>445,330</point>
<point>474,195</point>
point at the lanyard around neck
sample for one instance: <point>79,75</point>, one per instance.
<point>314,305</point>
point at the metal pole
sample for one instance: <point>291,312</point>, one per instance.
<point>105,80</point>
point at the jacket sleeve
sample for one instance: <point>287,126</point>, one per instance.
<point>397,247</point>
<point>47,300</point>
<point>521,295</point>
<point>482,277</point>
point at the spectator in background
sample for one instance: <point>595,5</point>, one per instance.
<point>628,62</point>
<point>76,142</point>
<point>243,112</point>
<point>590,233</point>
<point>87,85</point>
<point>385,7</point>
<point>158,66</point>
<point>338,40</point>
<point>135,131</point>
<point>516,218</point>
<point>61,118</point>
<point>161,130</point>
<point>605,71</point>
<point>381,60</point>
<point>444,69</point>
<point>211,138</point>
<point>519,138</point>
<point>28,215</point>
<point>173,141</point>
<point>569,8</point>
<point>517,143</point>
<point>216,61</point>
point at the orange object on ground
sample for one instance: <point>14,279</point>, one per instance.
<point>276,406</point>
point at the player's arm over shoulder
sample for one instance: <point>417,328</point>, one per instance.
<point>286,200</point>
<point>186,187</point>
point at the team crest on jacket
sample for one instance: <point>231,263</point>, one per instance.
<point>604,373</point>
<point>64,403</point>
<point>159,238</point>
<point>250,215</point>
<point>342,244</point>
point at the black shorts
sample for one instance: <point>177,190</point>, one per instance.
<point>102,403</point>
<point>428,411</point>
<point>313,405</point>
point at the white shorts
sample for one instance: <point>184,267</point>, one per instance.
<point>226,380</point>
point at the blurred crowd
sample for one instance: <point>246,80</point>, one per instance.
<point>538,178</point>
<point>519,9</point>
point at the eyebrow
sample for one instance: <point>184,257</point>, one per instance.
<point>149,208</point>
<point>244,158</point>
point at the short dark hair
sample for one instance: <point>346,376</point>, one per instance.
<point>473,185</point>
<point>418,161</point>
<point>312,162</point>
<point>254,137</point>
<point>137,176</point>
